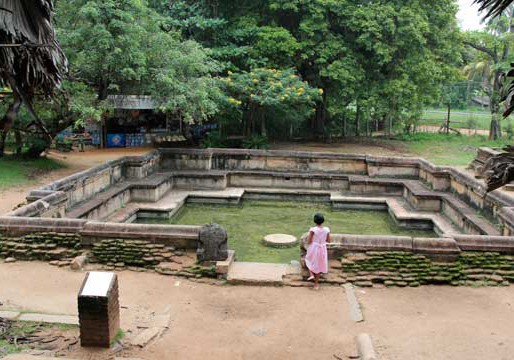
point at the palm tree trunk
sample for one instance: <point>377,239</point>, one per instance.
<point>7,121</point>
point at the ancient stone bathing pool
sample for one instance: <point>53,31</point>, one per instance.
<point>250,221</point>
<point>429,224</point>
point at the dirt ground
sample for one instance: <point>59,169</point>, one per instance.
<point>207,321</point>
<point>440,322</point>
<point>351,146</point>
<point>237,322</point>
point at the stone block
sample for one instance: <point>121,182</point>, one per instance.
<point>49,318</point>
<point>222,267</point>
<point>9,315</point>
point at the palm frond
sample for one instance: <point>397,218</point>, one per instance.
<point>493,8</point>
<point>39,64</point>
<point>31,60</point>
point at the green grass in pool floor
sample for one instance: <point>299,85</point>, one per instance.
<point>248,223</point>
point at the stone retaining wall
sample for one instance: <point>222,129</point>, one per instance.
<point>61,248</point>
<point>257,168</point>
<point>139,253</point>
<point>241,163</point>
<point>448,248</point>
<point>396,268</point>
<point>44,246</point>
<point>61,239</point>
<point>406,261</point>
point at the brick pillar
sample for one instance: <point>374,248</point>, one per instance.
<point>99,309</point>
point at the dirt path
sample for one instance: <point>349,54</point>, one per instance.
<point>236,322</point>
<point>440,322</point>
<point>463,131</point>
<point>350,146</point>
<point>73,162</point>
<point>207,321</point>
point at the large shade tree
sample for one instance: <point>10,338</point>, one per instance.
<point>31,61</point>
<point>380,59</point>
<point>121,47</point>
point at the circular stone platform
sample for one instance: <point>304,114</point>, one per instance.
<point>280,240</point>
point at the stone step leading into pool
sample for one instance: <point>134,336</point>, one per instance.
<point>259,274</point>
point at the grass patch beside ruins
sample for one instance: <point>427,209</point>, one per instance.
<point>442,149</point>
<point>15,171</point>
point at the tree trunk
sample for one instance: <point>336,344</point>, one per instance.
<point>495,131</point>
<point>357,120</point>
<point>448,120</point>
<point>103,88</point>
<point>263,124</point>
<point>19,142</point>
<point>3,136</point>
<point>7,121</point>
<point>319,121</point>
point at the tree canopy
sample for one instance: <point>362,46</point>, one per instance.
<point>360,64</point>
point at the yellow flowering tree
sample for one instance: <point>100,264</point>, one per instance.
<point>263,91</point>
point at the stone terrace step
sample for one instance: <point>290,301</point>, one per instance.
<point>173,200</point>
<point>100,198</point>
<point>400,210</point>
<point>470,214</point>
<point>83,208</point>
<point>260,274</point>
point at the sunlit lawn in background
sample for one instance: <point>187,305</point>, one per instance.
<point>442,149</point>
<point>15,171</point>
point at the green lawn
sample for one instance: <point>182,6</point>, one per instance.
<point>248,223</point>
<point>15,171</point>
<point>442,149</point>
<point>473,118</point>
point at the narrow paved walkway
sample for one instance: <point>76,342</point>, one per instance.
<point>249,273</point>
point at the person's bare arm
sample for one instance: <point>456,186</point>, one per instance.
<point>328,238</point>
<point>309,239</point>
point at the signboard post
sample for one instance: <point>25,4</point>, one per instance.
<point>99,309</point>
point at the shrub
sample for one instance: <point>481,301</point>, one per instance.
<point>213,140</point>
<point>256,142</point>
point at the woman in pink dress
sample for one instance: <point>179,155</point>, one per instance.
<point>317,258</point>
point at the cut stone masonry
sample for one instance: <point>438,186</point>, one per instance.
<point>91,207</point>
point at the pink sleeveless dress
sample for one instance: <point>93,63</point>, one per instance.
<point>317,258</point>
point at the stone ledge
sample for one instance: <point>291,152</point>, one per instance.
<point>370,242</point>
<point>502,244</point>
<point>27,225</point>
<point>158,233</point>
<point>223,267</point>
<point>51,319</point>
<point>440,246</point>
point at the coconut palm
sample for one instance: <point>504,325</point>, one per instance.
<point>31,60</point>
<point>493,8</point>
<point>499,170</point>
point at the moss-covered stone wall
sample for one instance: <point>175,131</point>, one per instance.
<point>408,269</point>
<point>120,253</point>
<point>137,254</point>
<point>41,246</point>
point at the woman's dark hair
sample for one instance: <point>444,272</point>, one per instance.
<point>319,219</point>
